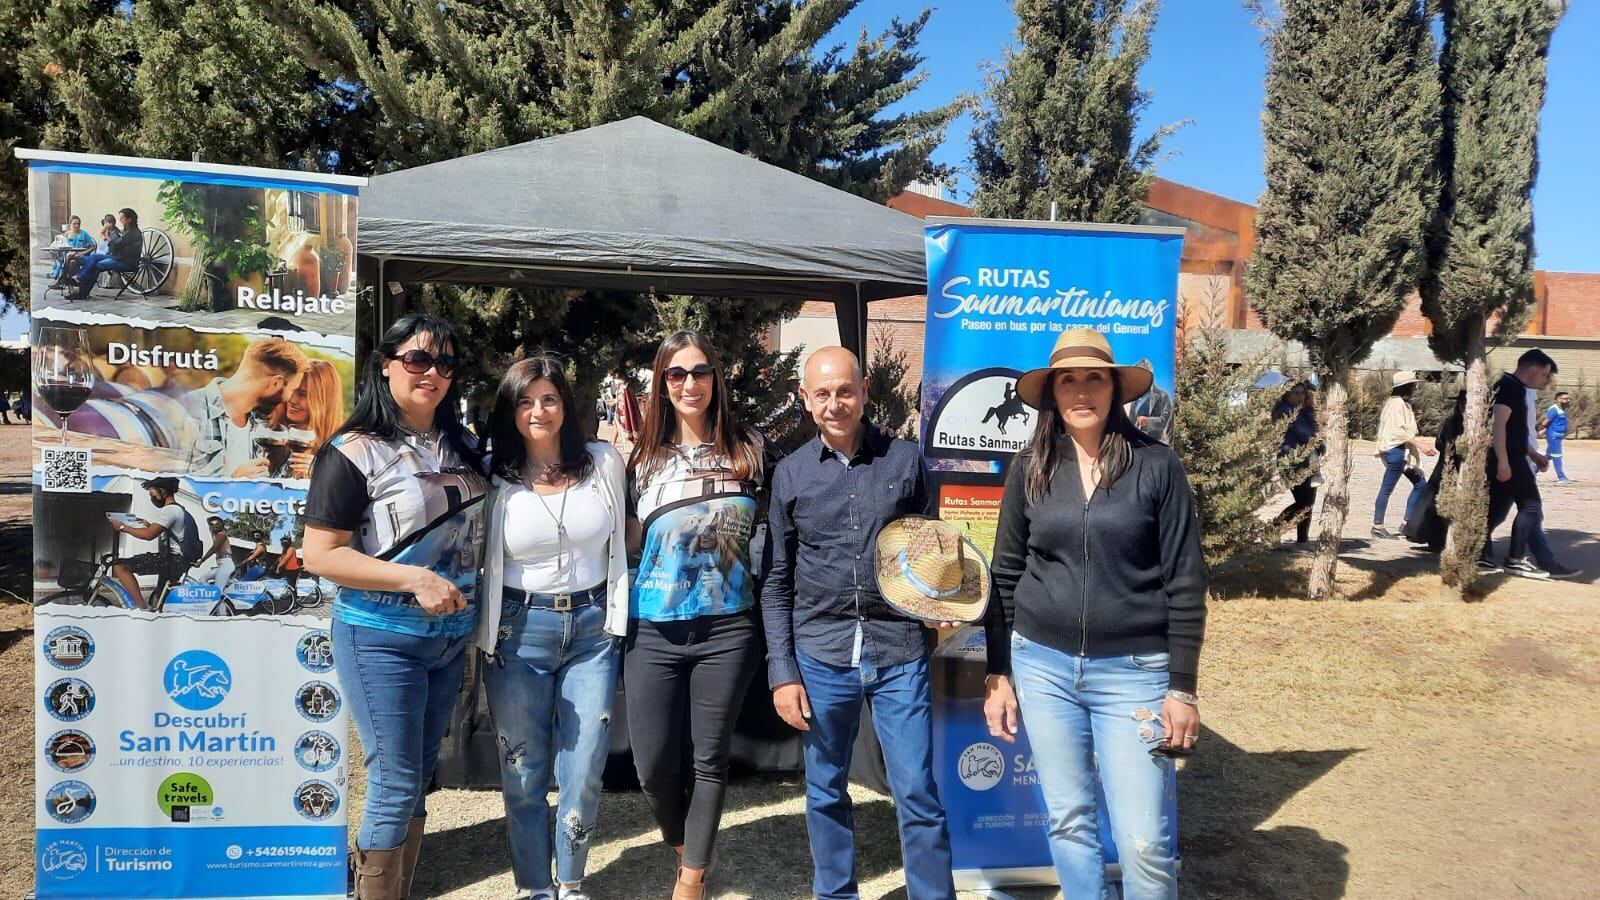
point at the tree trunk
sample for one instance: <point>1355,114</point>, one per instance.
<point>1335,480</point>
<point>1464,497</point>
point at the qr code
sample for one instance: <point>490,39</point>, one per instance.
<point>66,469</point>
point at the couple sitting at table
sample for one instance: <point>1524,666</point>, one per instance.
<point>124,246</point>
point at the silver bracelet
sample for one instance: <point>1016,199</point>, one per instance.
<point>1184,697</point>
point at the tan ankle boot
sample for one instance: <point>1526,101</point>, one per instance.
<point>378,874</point>
<point>689,890</point>
<point>411,850</point>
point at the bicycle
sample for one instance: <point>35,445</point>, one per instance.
<point>102,589</point>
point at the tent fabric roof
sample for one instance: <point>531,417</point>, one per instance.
<point>636,205</point>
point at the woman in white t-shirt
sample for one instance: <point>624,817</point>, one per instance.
<point>555,599</point>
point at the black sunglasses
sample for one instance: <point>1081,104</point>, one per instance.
<point>678,374</point>
<point>419,361</point>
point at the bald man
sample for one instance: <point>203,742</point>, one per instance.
<point>833,643</point>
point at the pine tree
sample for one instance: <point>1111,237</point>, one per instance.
<point>1351,127</point>
<point>1480,254</point>
<point>891,402</point>
<point>1061,115</point>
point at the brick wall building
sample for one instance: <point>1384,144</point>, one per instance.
<point>1220,237</point>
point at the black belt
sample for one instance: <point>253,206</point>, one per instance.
<point>557,602</point>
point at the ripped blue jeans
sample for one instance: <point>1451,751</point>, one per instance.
<point>1100,715</point>
<point>551,683</point>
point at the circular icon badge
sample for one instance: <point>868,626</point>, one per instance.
<point>197,679</point>
<point>317,701</point>
<point>317,751</point>
<point>63,859</point>
<point>981,766</point>
<point>315,651</point>
<point>69,699</point>
<point>180,791</point>
<point>69,750</point>
<point>316,799</point>
<point>68,647</point>
<point>69,802</point>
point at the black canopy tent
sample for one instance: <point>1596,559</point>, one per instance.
<point>636,205</point>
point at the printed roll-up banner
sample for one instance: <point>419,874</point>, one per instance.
<point>1000,293</point>
<point>193,343</point>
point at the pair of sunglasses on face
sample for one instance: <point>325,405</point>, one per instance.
<point>677,375</point>
<point>419,361</point>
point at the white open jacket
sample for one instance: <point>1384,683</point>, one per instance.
<point>612,479</point>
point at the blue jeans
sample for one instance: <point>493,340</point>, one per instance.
<point>550,684</point>
<point>1394,465</point>
<point>1100,715</point>
<point>902,714</point>
<point>400,688</point>
<point>90,269</point>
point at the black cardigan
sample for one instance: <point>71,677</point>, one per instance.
<point>1120,574</point>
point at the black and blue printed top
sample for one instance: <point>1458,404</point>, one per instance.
<point>697,522</point>
<point>411,501</point>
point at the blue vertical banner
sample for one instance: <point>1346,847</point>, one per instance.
<point>1000,293</point>
<point>193,345</point>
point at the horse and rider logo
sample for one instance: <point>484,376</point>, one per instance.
<point>1009,407</point>
<point>69,699</point>
<point>69,750</point>
<point>317,701</point>
<point>68,647</point>
<point>197,679</point>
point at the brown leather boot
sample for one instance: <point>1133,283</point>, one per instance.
<point>410,850</point>
<point>689,890</point>
<point>378,874</point>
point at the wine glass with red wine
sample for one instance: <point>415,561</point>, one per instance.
<point>63,371</point>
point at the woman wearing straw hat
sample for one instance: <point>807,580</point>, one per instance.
<point>1398,448</point>
<point>1096,636</point>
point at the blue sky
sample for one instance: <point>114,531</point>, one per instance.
<point>1207,65</point>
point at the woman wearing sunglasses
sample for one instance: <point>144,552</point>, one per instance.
<point>1101,583</point>
<point>393,515</point>
<point>555,592</point>
<point>693,645</point>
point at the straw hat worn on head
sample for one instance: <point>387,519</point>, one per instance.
<point>928,570</point>
<point>1082,348</point>
<point>1403,378</point>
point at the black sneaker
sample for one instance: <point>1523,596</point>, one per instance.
<point>1557,570</point>
<point>1526,567</point>
<point>1487,566</point>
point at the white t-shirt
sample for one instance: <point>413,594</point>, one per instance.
<point>171,518</point>
<point>538,558</point>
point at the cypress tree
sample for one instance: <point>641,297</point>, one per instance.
<point>1061,115</point>
<point>1480,254</point>
<point>1351,126</point>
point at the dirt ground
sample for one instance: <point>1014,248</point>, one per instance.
<point>1396,747</point>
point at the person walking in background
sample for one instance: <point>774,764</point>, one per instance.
<point>393,517</point>
<point>1296,409</point>
<point>5,408</point>
<point>1511,476</point>
<point>1095,640</point>
<point>1539,545</point>
<point>1554,427</point>
<point>555,603</point>
<point>697,483</point>
<point>628,417</point>
<point>834,643</point>
<point>1399,449</point>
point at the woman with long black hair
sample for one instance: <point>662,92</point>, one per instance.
<point>696,480</point>
<point>1096,636</point>
<point>555,602</point>
<point>393,517</point>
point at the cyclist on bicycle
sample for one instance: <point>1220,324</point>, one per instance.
<point>222,549</point>
<point>173,527</point>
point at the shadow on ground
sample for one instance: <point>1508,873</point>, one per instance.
<point>1225,794</point>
